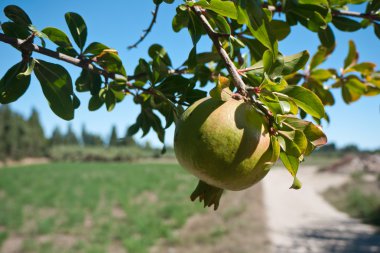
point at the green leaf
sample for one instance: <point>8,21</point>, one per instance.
<point>17,15</point>
<point>193,95</point>
<point>269,85</point>
<point>76,101</point>
<point>280,29</point>
<point>15,30</point>
<point>275,147</point>
<point>315,21</point>
<point>276,67</point>
<point>377,29</point>
<point>95,103</point>
<point>364,68</point>
<point>267,60</point>
<point>58,37</point>
<point>192,59</point>
<point>320,90</point>
<point>291,63</point>
<point>57,87</point>
<point>295,142</point>
<point>315,135</point>
<point>221,23</point>
<point>195,28</point>
<point>321,74</point>
<point>224,8</point>
<point>318,57</point>
<point>206,57</point>
<point>157,50</point>
<point>180,20</point>
<point>133,129</point>
<point>271,101</point>
<point>110,100</point>
<point>95,48</point>
<point>111,62</point>
<point>353,89</point>
<point>295,62</point>
<point>346,24</point>
<point>88,81</point>
<point>291,163</point>
<point>13,85</point>
<point>155,122</point>
<point>78,28</point>
<point>306,100</point>
<point>352,56</point>
<point>222,89</point>
<point>327,37</point>
<point>373,6</point>
<point>249,12</point>
<point>29,69</point>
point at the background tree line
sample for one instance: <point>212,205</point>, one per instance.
<point>25,137</point>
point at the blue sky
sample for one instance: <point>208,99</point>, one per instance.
<point>120,23</point>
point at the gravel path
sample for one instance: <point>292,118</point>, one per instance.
<point>302,221</point>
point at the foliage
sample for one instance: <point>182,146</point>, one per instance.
<point>359,198</point>
<point>113,137</point>
<point>20,137</point>
<point>244,56</point>
<point>76,153</point>
<point>133,205</point>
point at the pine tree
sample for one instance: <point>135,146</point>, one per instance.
<point>90,139</point>
<point>56,138</point>
<point>36,140</point>
<point>128,141</point>
<point>113,138</point>
<point>70,138</point>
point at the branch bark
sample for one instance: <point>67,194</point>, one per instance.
<point>26,45</point>
<point>370,16</point>
<point>356,14</point>
<point>22,46</point>
<point>232,70</point>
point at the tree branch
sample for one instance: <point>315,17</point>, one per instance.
<point>370,16</point>
<point>232,70</point>
<point>27,46</point>
<point>146,31</point>
<point>23,46</point>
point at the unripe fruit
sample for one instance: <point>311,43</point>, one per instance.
<point>225,144</point>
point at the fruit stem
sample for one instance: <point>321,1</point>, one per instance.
<point>209,194</point>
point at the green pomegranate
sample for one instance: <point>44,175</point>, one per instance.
<point>225,144</point>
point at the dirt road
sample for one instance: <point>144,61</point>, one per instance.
<point>302,221</point>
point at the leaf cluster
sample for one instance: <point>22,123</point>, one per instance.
<point>285,89</point>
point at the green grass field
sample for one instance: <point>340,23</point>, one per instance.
<point>93,207</point>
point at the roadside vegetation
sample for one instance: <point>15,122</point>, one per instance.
<point>360,197</point>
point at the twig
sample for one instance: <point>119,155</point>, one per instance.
<point>370,16</point>
<point>214,36</point>
<point>146,31</point>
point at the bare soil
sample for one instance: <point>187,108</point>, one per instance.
<point>303,222</point>
<point>24,162</point>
